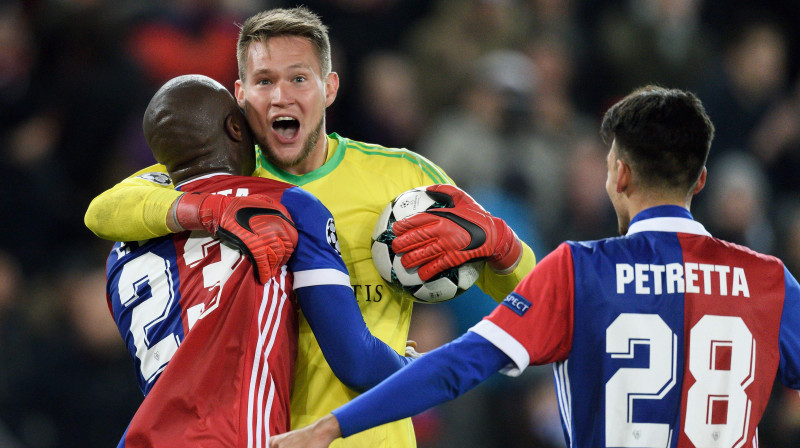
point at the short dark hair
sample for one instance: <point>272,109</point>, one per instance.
<point>663,134</point>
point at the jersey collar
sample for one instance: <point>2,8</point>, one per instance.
<point>666,218</point>
<point>205,176</point>
<point>336,150</point>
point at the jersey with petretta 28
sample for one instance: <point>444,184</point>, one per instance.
<point>664,337</point>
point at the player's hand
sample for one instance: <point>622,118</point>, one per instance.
<point>317,435</point>
<point>256,225</point>
<point>411,350</point>
<point>443,238</point>
<point>262,230</point>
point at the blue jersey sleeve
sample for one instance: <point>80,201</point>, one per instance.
<point>436,377</point>
<point>322,284</point>
<point>356,357</point>
<point>789,336</point>
<point>317,259</point>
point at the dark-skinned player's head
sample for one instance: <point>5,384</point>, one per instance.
<point>194,127</point>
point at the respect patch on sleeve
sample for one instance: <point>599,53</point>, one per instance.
<point>517,303</point>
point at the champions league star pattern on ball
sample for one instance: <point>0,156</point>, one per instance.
<point>440,288</point>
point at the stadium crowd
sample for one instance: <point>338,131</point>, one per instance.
<point>505,95</point>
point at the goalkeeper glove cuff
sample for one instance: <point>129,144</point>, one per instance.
<point>508,251</point>
<point>200,211</point>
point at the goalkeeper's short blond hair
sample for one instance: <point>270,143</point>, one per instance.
<point>299,21</point>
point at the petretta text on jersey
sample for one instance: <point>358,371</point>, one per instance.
<point>690,278</point>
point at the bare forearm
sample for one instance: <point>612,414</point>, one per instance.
<point>317,435</point>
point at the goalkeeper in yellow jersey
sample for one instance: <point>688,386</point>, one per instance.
<point>285,84</point>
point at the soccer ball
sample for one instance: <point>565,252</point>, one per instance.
<point>441,287</point>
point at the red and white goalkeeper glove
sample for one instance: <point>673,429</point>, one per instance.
<point>442,238</point>
<point>256,225</point>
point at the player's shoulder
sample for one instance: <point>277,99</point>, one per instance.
<point>291,196</point>
<point>377,157</point>
<point>248,185</point>
<point>297,195</point>
<point>294,198</point>
<point>768,266</point>
<point>154,174</point>
<point>301,202</point>
<point>124,251</point>
<point>590,246</point>
<point>599,250</point>
<point>744,252</point>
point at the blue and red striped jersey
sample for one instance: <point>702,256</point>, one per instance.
<point>664,337</point>
<point>213,349</point>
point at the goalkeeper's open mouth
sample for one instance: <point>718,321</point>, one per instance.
<point>286,128</point>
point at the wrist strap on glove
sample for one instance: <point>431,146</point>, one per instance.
<point>508,250</point>
<point>200,211</point>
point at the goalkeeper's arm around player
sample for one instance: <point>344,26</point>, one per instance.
<point>139,209</point>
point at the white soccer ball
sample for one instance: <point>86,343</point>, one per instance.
<point>441,287</point>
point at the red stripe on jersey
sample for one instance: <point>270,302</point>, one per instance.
<point>733,304</point>
<point>244,338</point>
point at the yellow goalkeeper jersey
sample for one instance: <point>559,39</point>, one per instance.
<point>355,184</point>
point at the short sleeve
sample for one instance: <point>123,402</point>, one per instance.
<point>317,259</point>
<point>533,325</point>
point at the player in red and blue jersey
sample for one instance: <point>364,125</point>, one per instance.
<point>214,349</point>
<point>663,337</point>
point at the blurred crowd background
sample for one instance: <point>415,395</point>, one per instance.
<point>505,95</point>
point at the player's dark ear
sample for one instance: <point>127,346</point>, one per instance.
<point>233,128</point>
